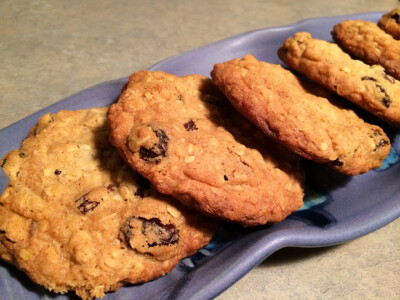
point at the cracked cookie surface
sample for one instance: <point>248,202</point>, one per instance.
<point>282,105</point>
<point>76,217</point>
<point>325,63</point>
<point>183,135</point>
<point>390,22</point>
<point>366,41</point>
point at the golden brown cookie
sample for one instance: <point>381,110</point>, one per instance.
<point>325,63</point>
<point>390,22</point>
<point>182,134</point>
<point>280,104</point>
<point>367,42</point>
<point>76,217</point>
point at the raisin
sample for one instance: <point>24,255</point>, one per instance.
<point>157,150</point>
<point>151,231</point>
<point>180,98</point>
<point>337,162</point>
<point>368,78</point>
<point>396,17</point>
<point>84,205</point>
<point>165,234</point>
<point>57,172</point>
<point>190,126</point>
<point>111,188</point>
<point>225,178</point>
<point>381,144</point>
<point>3,232</point>
<point>33,228</point>
<point>10,240</point>
<point>386,101</point>
<point>21,154</point>
<point>389,78</point>
<point>149,141</point>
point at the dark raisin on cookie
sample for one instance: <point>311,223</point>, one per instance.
<point>368,78</point>
<point>225,178</point>
<point>180,98</point>
<point>382,142</point>
<point>159,234</point>
<point>396,17</point>
<point>389,78</point>
<point>151,231</point>
<point>21,154</point>
<point>157,150</point>
<point>337,162</point>
<point>386,101</point>
<point>3,232</point>
<point>57,172</point>
<point>190,126</point>
<point>84,205</point>
<point>111,188</point>
<point>33,228</point>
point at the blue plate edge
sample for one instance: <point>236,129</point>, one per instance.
<point>217,287</point>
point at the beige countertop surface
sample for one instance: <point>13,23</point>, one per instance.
<point>52,49</point>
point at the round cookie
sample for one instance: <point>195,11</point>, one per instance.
<point>76,217</point>
<point>369,43</point>
<point>183,135</point>
<point>390,22</point>
<point>326,64</point>
<point>283,108</point>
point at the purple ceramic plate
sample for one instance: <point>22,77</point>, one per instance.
<point>337,208</point>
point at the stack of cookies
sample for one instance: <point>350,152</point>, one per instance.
<point>103,197</point>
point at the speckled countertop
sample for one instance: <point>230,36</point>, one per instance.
<point>52,49</point>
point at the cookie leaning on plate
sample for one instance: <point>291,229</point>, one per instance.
<point>183,135</point>
<point>390,22</point>
<point>281,105</point>
<point>325,63</point>
<point>76,217</point>
<point>366,41</point>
